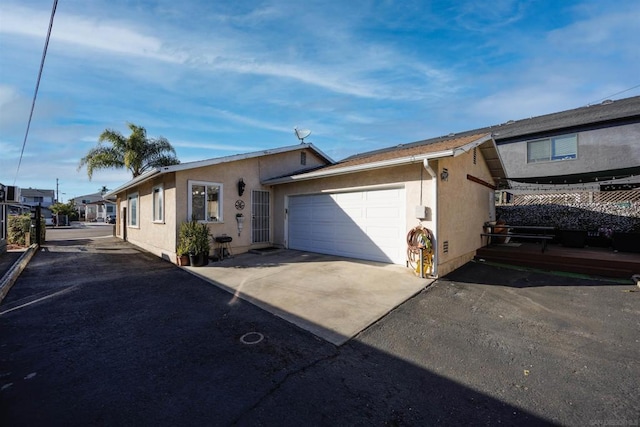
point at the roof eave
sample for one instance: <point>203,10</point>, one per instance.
<point>324,173</point>
<point>135,181</point>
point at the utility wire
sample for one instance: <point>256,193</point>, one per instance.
<point>612,95</point>
<point>35,93</point>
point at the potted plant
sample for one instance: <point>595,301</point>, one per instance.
<point>182,254</point>
<point>194,241</point>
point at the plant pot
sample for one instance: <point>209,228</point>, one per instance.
<point>198,260</point>
<point>574,238</point>
<point>626,242</point>
<point>182,260</point>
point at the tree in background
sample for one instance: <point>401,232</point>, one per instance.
<point>68,209</point>
<point>137,152</point>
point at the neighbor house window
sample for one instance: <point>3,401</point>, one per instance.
<point>205,201</point>
<point>559,148</point>
<point>158,203</point>
<point>133,214</point>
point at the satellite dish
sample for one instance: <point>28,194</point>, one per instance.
<point>302,133</point>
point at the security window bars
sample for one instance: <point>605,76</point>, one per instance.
<point>260,216</point>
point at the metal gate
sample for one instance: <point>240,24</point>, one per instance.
<point>260,216</point>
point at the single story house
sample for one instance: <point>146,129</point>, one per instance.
<point>362,207</point>
<point>152,206</point>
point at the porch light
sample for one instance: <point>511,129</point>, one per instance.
<point>241,186</point>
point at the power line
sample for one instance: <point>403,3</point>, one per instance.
<point>612,95</point>
<point>35,93</point>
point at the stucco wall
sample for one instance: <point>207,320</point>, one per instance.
<point>598,149</point>
<point>463,208</point>
<point>161,239</point>
<point>158,238</point>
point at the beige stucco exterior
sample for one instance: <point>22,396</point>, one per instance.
<point>462,205</point>
<point>457,207</point>
<point>463,208</point>
<point>160,237</point>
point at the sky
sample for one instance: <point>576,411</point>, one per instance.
<point>218,78</point>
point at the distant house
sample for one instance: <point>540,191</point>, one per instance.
<point>37,197</point>
<point>93,207</point>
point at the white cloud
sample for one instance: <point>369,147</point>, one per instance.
<point>81,31</point>
<point>211,146</point>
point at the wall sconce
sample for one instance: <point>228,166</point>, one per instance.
<point>444,175</point>
<point>241,186</point>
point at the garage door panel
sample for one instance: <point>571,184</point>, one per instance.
<point>366,224</point>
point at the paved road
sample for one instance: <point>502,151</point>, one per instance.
<point>117,336</point>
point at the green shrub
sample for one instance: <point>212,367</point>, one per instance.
<point>19,225</point>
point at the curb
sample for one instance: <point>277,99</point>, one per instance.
<point>12,275</point>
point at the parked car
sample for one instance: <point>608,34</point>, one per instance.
<point>111,219</point>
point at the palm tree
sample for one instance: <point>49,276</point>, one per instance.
<point>138,153</point>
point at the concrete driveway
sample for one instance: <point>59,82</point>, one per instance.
<point>332,297</point>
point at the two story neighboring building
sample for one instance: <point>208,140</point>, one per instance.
<point>35,197</point>
<point>584,146</point>
<point>38,197</point>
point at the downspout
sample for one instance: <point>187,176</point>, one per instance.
<point>434,215</point>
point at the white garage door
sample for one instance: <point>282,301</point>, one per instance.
<point>365,224</point>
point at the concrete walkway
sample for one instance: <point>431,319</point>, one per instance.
<point>332,297</point>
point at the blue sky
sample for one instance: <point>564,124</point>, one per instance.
<point>218,77</point>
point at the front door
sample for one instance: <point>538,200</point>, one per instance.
<point>260,217</point>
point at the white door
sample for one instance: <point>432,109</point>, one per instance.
<point>364,224</point>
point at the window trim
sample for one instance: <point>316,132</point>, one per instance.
<point>129,214</point>
<point>160,190</point>
<point>190,184</point>
<point>552,148</point>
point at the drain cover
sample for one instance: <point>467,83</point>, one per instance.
<point>251,338</point>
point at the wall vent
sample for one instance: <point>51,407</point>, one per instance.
<point>445,246</point>
<point>475,155</point>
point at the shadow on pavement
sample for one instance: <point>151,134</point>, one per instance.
<point>520,277</point>
<point>140,341</point>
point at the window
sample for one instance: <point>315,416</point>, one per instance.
<point>205,201</point>
<point>158,203</point>
<point>559,148</point>
<point>133,214</point>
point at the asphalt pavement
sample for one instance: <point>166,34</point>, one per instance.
<point>97,332</point>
